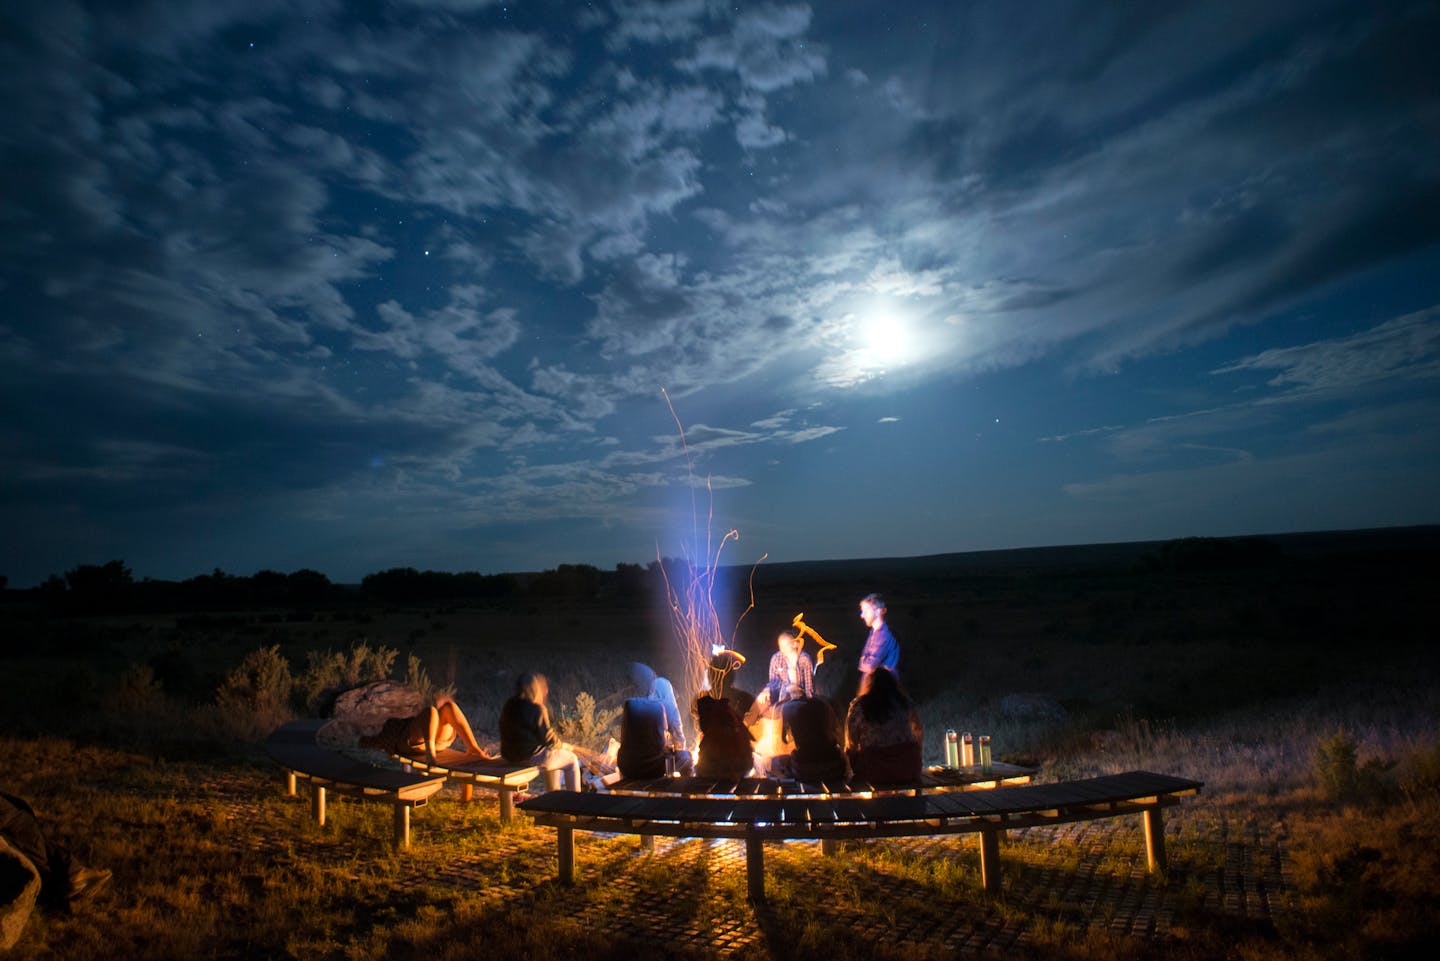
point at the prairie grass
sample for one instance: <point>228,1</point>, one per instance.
<point>137,740</point>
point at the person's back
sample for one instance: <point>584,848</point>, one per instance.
<point>642,738</point>
<point>725,750</point>
<point>525,731</point>
<point>812,726</point>
<point>883,735</point>
<point>526,736</point>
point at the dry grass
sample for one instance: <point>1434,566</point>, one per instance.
<point>148,777</point>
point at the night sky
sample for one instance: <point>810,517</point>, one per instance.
<point>350,286</point>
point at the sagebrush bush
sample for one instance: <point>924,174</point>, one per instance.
<point>1420,774</point>
<point>587,724</point>
<point>136,692</point>
<point>255,697</point>
<point>1339,776</point>
<point>418,678</point>
<point>329,672</point>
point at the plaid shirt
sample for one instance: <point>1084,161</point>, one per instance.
<point>780,680</point>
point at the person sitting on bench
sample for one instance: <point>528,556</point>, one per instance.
<point>883,734</point>
<point>650,727</point>
<point>811,725</point>
<point>526,736</point>
<point>435,728</point>
<point>725,744</point>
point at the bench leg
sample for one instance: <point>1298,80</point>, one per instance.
<point>565,853</point>
<point>289,783</point>
<point>1154,840</point>
<point>829,848</point>
<point>647,842</point>
<point>990,860</point>
<point>402,825</point>
<point>754,867</point>
<point>507,803</point>
<point>317,805</point>
<point>467,791</point>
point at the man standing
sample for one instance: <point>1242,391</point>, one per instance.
<point>881,648</point>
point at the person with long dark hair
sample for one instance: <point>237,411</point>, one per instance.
<point>725,743</point>
<point>883,734</point>
<point>810,724</point>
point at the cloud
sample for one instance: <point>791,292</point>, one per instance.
<point>460,334</point>
<point>213,244</point>
<point>1406,348</point>
<point>653,22</point>
<point>1354,478</point>
<point>766,49</point>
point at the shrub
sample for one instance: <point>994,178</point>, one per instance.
<point>586,725</point>
<point>255,697</point>
<point>1420,774</point>
<point>1338,775</point>
<point>137,692</point>
<point>329,672</point>
<point>417,677</point>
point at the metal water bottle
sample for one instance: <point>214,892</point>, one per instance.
<point>967,750</point>
<point>985,752</point>
<point>952,748</point>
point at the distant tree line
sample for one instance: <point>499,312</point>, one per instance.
<point>1194,554</point>
<point>112,588</point>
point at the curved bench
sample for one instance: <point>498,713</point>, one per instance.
<point>470,772</point>
<point>294,748</point>
<point>758,819</point>
<point>933,780</point>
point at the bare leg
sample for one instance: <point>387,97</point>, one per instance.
<point>448,712</point>
<point>432,732</point>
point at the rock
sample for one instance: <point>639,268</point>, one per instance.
<point>1032,707</point>
<point>365,709</point>
<point>19,887</point>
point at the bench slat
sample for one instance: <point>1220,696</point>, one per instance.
<point>461,765</point>
<point>837,817</point>
<point>294,748</point>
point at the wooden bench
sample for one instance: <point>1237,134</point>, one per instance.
<point>294,748</point>
<point>931,781</point>
<point>471,772</point>
<point>757,819</point>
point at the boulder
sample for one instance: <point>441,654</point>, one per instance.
<point>368,707</point>
<point>1031,707</point>
<point>19,887</point>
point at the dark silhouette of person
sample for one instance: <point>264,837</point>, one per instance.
<point>883,735</point>
<point>725,743</point>
<point>810,724</point>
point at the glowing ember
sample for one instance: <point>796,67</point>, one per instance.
<point>690,587</point>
